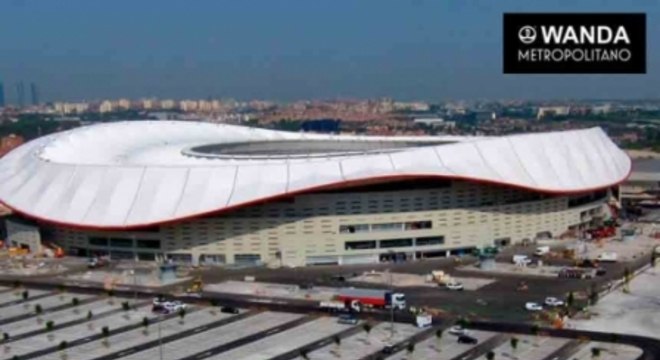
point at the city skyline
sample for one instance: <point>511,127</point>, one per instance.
<point>421,50</point>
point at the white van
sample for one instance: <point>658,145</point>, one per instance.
<point>521,259</point>
<point>542,250</point>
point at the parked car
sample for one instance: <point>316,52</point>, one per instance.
<point>553,301</point>
<point>229,310</point>
<point>388,349</point>
<point>467,339</point>
<point>173,306</point>
<point>347,319</point>
<point>458,330</point>
<point>532,306</point>
<point>457,286</point>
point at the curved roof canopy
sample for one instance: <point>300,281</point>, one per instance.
<point>140,173</point>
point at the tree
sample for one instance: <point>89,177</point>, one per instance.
<point>63,345</point>
<point>654,258</point>
<point>125,305</point>
<point>570,300</point>
<point>304,354</point>
<point>38,309</point>
<point>535,329</point>
<point>367,328</point>
<point>16,284</point>
<point>105,332</point>
<point>463,322</point>
<point>5,336</point>
<point>182,315</point>
<point>50,325</point>
<point>337,340</point>
<point>514,343</point>
<point>145,325</point>
<point>626,279</point>
<point>490,355</point>
<point>90,315</point>
<point>410,348</point>
<point>593,294</point>
<point>595,352</point>
<point>25,294</point>
<point>75,301</point>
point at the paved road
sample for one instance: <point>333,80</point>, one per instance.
<point>651,346</point>
<point>248,339</point>
<point>318,343</point>
<point>402,345</point>
<point>177,336</point>
<point>93,337</point>
<point>483,347</point>
<point>565,351</point>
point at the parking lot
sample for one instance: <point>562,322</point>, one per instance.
<point>209,332</point>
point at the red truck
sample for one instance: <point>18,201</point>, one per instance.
<point>373,298</point>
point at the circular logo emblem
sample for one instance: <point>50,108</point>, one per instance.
<point>527,34</point>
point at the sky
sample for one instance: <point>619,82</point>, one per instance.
<point>285,50</point>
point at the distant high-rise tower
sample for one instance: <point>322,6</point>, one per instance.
<point>20,94</point>
<point>2,94</point>
<point>34,94</point>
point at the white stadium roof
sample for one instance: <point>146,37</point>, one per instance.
<point>140,173</point>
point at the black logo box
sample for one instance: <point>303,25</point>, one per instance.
<point>634,23</point>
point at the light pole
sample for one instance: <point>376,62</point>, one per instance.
<point>160,341</point>
<point>392,258</point>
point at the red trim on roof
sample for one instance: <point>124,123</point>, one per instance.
<point>336,185</point>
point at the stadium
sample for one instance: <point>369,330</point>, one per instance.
<point>225,194</point>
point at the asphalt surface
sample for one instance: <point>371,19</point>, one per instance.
<point>565,351</point>
<point>177,336</point>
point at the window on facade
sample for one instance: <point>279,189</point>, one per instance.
<point>387,227</point>
<point>98,241</point>
<point>247,258</point>
<point>430,240</point>
<point>212,258</point>
<point>180,258</point>
<point>119,255</point>
<point>148,244</point>
<point>418,225</point>
<point>359,245</point>
<point>351,229</point>
<point>120,242</point>
<point>146,256</point>
<point>395,243</point>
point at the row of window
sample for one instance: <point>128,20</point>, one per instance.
<point>393,243</point>
<point>124,242</point>
<point>397,226</point>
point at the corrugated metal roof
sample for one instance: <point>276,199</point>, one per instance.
<point>130,174</point>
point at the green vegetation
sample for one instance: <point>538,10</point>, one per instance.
<point>410,348</point>
<point>50,325</point>
<point>514,343</point>
<point>367,328</point>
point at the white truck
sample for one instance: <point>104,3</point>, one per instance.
<point>542,250</point>
<point>423,320</point>
<point>339,306</point>
<point>521,260</point>
<point>608,257</point>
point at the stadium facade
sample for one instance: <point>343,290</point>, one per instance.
<point>210,193</point>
